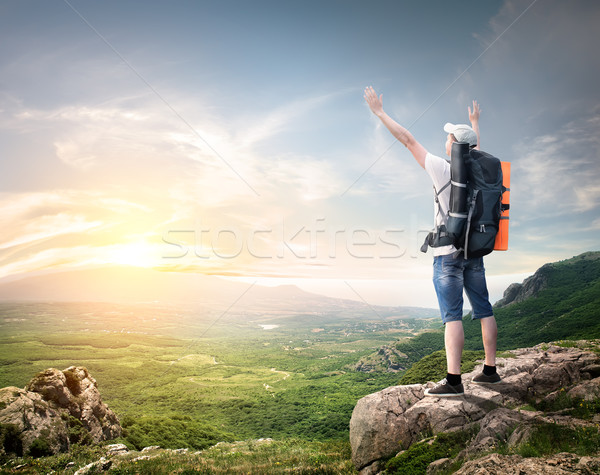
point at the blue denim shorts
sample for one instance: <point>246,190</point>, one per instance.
<point>450,276</point>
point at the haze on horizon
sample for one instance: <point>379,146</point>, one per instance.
<point>231,138</point>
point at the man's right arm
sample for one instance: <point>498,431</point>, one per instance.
<point>474,118</point>
<point>402,135</point>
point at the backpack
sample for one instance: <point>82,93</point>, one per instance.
<point>476,182</point>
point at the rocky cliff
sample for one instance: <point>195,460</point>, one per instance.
<point>55,409</point>
<point>390,421</point>
<point>578,266</point>
<point>530,287</point>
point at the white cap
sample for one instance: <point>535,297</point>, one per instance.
<point>462,133</point>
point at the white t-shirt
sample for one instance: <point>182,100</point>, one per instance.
<point>439,172</point>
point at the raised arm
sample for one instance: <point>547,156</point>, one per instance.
<point>403,135</point>
<point>474,118</point>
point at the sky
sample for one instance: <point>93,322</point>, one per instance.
<point>231,138</point>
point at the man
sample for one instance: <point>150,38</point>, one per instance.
<point>451,272</point>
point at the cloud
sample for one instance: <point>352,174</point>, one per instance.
<point>141,171</point>
<point>558,174</point>
<point>384,165</point>
<point>61,258</point>
<point>274,122</point>
<point>46,227</point>
<point>255,167</point>
<point>75,154</point>
<point>106,167</point>
<point>35,224</point>
<point>594,225</point>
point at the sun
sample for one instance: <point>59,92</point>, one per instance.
<point>137,254</point>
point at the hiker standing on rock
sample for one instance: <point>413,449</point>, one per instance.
<point>451,271</point>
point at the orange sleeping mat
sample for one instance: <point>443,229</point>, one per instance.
<point>501,243</point>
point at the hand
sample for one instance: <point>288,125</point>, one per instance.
<point>375,103</point>
<point>474,115</point>
<point>474,118</point>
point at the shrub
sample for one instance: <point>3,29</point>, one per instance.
<point>40,447</point>
<point>575,406</point>
<point>551,438</point>
<point>417,458</point>
<point>10,438</point>
<point>78,434</point>
<point>170,432</point>
<point>433,367</point>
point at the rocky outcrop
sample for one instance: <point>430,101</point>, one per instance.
<point>530,287</point>
<point>391,420</point>
<point>386,359</point>
<point>583,269</point>
<point>43,415</point>
<point>33,425</point>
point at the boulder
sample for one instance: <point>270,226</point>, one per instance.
<point>497,426</point>
<point>591,371</point>
<point>74,390</point>
<point>30,418</point>
<point>40,415</point>
<point>439,466</point>
<point>391,420</point>
<point>150,448</point>
<point>587,390</point>
<point>116,449</point>
<point>379,428</point>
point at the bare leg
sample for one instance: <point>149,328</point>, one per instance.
<point>489,334</point>
<point>454,339</point>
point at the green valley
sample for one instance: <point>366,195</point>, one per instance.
<point>191,375</point>
<point>231,379</point>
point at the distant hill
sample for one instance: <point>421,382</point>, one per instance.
<point>119,284</point>
<point>123,284</point>
<point>561,301</point>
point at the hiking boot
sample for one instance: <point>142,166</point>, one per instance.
<point>483,378</point>
<point>443,389</point>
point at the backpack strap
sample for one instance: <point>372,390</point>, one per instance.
<point>505,206</point>
<point>439,236</point>
<point>438,193</point>
<point>469,217</point>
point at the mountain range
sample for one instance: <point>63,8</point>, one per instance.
<point>123,284</point>
<point>560,300</point>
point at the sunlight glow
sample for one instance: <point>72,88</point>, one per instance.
<point>137,254</point>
